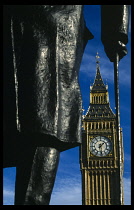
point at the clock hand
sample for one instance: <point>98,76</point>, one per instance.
<point>100,146</point>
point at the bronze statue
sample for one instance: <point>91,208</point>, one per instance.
<point>43,48</point>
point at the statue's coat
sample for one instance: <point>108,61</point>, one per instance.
<point>47,44</point>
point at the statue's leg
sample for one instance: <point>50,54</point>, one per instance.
<point>35,176</point>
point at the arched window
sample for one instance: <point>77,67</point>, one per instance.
<point>101,99</point>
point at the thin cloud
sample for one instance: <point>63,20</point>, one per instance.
<point>127,191</point>
<point>8,188</point>
<point>127,157</point>
<point>67,192</point>
<point>8,197</point>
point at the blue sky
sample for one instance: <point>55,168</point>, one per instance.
<point>67,189</point>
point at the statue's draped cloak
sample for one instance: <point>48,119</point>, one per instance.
<point>44,52</point>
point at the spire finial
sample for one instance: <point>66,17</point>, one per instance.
<point>97,58</point>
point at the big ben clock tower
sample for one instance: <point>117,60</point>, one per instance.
<point>101,153</point>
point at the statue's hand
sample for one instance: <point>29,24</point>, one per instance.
<point>115,47</point>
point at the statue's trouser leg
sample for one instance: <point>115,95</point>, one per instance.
<point>35,176</point>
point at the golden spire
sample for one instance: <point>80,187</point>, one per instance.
<point>97,58</point>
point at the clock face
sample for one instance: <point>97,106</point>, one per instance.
<point>100,146</point>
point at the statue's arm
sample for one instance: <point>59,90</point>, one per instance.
<point>114,29</point>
